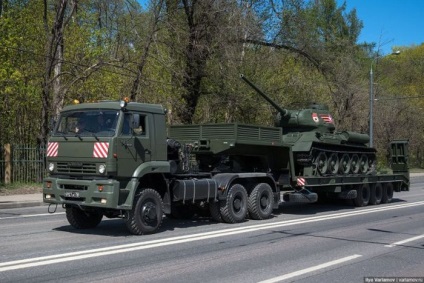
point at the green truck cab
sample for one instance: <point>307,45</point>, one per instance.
<point>115,159</point>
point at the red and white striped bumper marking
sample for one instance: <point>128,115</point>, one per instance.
<point>101,149</point>
<point>52,149</point>
<point>301,182</point>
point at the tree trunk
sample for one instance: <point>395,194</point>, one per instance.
<point>52,87</point>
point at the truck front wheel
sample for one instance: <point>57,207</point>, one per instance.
<point>146,215</point>
<point>81,219</point>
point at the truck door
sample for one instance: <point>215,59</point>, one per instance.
<point>134,144</point>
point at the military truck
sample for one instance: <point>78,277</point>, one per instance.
<point>117,159</point>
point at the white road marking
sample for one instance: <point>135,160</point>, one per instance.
<point>310,269</point>
<point>32,215</point>
<point>58,258</point>
<point>405,241</point>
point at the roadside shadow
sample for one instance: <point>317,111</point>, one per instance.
<point>117,227</point>
<point>322,206</point>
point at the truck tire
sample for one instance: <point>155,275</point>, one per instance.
<point>261,202</point>
<point>81,219</point>
<point>376,194</point>
<point>235,208</point>
<point>215,211</point>
<point>363,197</point>
<point>146,215</point>
<point>387,193</point>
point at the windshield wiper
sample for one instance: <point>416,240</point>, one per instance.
<point>87,131</point>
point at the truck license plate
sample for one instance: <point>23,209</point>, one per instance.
<point>72,194</point>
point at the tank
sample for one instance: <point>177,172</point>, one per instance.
<point>318,150</point>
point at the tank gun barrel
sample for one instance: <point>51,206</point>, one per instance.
<point>275,105</point>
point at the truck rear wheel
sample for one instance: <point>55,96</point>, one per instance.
<point>215,211</point>
<point>261,202</point>
<point>363,196</point>
<point>235,208</point>
<point>81,219</point>
<point>376,193</point>
<point>146,215</point>
<point>387,193</point>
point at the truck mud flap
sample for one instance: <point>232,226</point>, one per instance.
<point>302,196</point>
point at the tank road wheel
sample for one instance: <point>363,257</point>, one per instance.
<point>333,163</point>
<point>376,193</point>
<point>235,208</point>
<point>344,167</point>
<point>354,164</point>
<point>146,215</point>
<point>261,202</point>
<point>81,219</point>
<point>363,195</point>
<point>364,164</point>
<point>387,193</point>
<point>321,163</point>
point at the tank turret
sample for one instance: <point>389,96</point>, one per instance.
<point>317,148</point>
<point>316,117</point>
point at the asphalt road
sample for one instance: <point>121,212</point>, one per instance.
<point>301,243</point>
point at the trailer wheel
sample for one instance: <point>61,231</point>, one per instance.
<point>261,202</point>
<point>146,215</point>
<point>363,196</point>
<point>81,219</point>
<point>376,194</point>
<point>387,193</point>
<point>235,208</point>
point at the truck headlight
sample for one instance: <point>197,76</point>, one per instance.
<point>102,168</point>
<point>51,167</point>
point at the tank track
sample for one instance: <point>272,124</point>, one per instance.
<point>330,160</point>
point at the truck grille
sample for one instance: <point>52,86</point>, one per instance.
<point>74,187</point>
<point>76,168</point>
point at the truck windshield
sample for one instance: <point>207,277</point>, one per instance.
<point>101,123</point>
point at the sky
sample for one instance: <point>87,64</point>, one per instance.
<point>389,23</point>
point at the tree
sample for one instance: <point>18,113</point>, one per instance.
<point>51,86</point>
<point>324,36</point>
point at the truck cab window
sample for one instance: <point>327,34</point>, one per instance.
<point>134,124</point>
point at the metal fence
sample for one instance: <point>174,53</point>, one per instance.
<point>27,164</point>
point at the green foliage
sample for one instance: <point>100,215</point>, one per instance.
<point>309,53</point>
<point>19,72</point>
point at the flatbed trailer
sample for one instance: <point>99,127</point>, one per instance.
<point>137,169</point>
